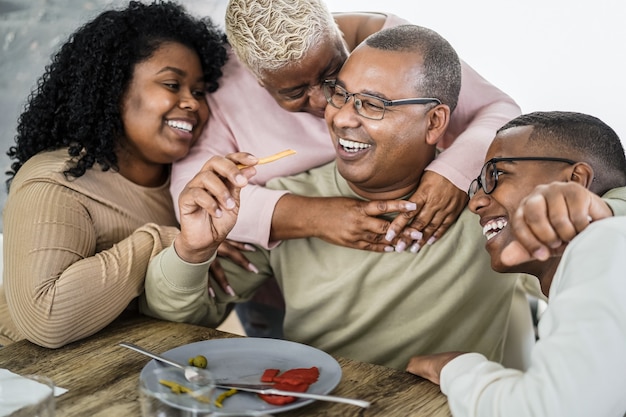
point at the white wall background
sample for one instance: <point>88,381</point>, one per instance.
<point>547,54</point>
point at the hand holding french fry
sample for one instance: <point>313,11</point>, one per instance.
<point>209,205</point>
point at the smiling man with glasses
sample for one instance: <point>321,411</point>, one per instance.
<point>578,367</point>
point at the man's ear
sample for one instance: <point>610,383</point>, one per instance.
<point>439,118</point>
<point>582,173</point>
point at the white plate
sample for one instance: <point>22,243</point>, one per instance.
<point>244,360</point>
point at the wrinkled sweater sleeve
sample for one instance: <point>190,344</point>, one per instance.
<point>176,290</point>
<point>58,287</point>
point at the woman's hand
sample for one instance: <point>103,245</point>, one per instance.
<point>439,203</point>
<point>233,251</point>
<point>209,205</point>
<point>345,221</point>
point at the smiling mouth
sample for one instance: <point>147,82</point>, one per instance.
<point>352,146</point>
<point>177,124</point>
<point>493,227</point>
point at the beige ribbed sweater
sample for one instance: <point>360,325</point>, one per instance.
<point>76,252</point>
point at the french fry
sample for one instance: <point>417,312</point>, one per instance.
<point>271,158</point>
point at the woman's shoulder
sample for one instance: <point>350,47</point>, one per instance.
<point>48,165</point>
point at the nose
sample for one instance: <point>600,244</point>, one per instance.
<point>344,118</point>
<point>479,201</point>
<point>188,101</point>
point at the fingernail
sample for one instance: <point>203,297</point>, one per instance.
<point>253,268</point>
<point>431,240</point>
<point>390,235</point>
<point>542,254</point>
<point>249,247</point>
<point>401,246</point>
<point>230,203</point>
<point>410,206</point>
<point>416,235</point>
<point>218,213</point>
<point>556,244</point>
<point>230,291</point>
<point>415,248</point>
<point>389,249</point>
<point>240,180</point>
<point>211,292</point>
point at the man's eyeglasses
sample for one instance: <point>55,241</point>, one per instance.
<point>488,178</point>
<point>367,105</point>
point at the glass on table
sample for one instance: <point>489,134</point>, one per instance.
<point>158,399</point>
<point>165,392</point>
<point>26,396</point>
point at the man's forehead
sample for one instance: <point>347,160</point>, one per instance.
<point>389,74</point>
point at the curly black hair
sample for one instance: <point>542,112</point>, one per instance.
<point>77,101</point>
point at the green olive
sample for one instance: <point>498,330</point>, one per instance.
<point>198,361</point>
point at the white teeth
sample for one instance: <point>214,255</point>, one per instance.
<point>494,227</point>
<point>352,146</point>
<point>177,124</point>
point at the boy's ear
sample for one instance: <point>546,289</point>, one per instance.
<point>582,173</point>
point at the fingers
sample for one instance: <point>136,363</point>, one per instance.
<point>209,205</point>
<point>430,366</point>
<point>438,205</point>
<point>232,250</point>
<point>216,187</point>
<point>550,217</point>
<point>218,274</point>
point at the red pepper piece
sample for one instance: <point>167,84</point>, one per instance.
<point>297,379</point>
<point>298,375</point>
<point>277,399</point>
<point>269,374</point>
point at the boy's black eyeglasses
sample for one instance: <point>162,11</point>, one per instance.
<point>488,178</point>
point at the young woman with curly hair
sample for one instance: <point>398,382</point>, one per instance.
<point>89,201</point>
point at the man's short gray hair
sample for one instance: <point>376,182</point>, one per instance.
<point>271,34</point>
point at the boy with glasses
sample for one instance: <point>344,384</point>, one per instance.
<point>578,366</point>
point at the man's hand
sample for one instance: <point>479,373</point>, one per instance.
<point>439,203</point>
<point>549,218</point>
<point>209,205</point>
<point>430,366</point>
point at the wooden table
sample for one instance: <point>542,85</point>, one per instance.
<point>102,377</point>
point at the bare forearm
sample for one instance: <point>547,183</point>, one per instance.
<point>297,217</point>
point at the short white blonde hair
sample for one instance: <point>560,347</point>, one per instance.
<point>271,34</point>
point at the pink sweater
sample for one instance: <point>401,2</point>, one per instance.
<point>244,117</point>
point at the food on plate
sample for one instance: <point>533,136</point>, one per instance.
<point>220,399</point>
<point>269,374</point>
<point>296,379</point>
<point>181,389</point>
<point>198,361</point>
